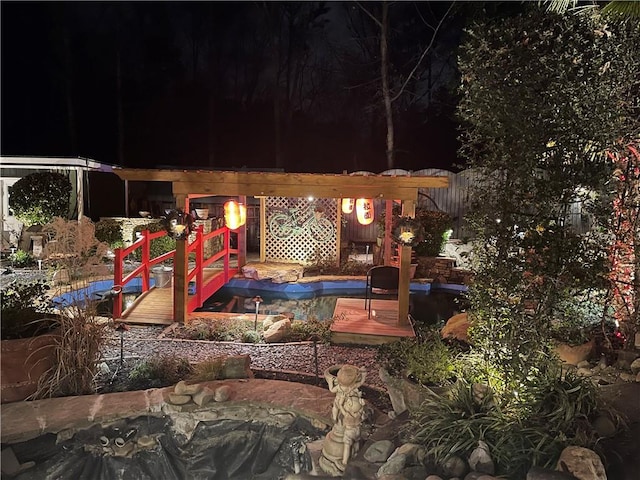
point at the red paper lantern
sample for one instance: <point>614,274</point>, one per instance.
<point>365,211</point>
<point>347,205</point>
<point>235,214</point>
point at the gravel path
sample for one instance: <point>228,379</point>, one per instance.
<point>143,342</point>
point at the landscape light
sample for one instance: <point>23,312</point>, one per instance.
<point>235,214</point>
<point>365,211</point>
<point>347,205</point>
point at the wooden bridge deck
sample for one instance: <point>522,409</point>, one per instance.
<point>155,307</point>
<point>351,324</point>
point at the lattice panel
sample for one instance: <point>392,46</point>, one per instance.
<point>299,229</point>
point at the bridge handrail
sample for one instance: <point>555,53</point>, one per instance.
<point>144,268</point>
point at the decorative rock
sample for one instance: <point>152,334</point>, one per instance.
<point>584,364</point>
<point>582,463</point>
<point>584,372</point>
<point>539,473</point>
<point>379,451</point>
<point>413,451</point>
<point>480,391</point>
<point>393,466</point>
<point>183,388</point>
<point>454,466</point>
<point>480,460</point>
<point>433,477</point>
<point>457,327</point>
<point>146,441</point>
<point>635,366</point>
<point>222,394</point>
<point>271,319</point>
<point>176,399</point>
<point>277,331</point>
<point>204,396</point>
<point>603,363</point>
<point>473,476</point>
<point>277,272</point>
<point>573,355</point>
<point>604,426</point>
<point>627,377</point>
<point>638,377</point>
<point>237,366</point>
<point>486,477</point>
<point>103,368</point>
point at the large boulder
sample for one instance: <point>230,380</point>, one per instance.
<point>582,463</point>
<point>457,327</point>
<point>277,331</point>
<point>277,272</point>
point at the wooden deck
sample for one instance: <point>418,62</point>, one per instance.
<point>351,324</point>
<point>155,307</point>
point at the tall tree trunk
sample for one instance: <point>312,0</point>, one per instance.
<point>386,93</point>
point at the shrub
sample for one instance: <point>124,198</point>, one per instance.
<point>159,371</point>
<point>435,232</point>
<point>158,246</point>
<point>77,350</point>
<point>20,258</point>
<point>218,330</point>
<point>109,231</point>
<point>251,336</point>
<point>311,329</point>
<point>39,197</point>
<point>208,370</point>
<point>23,307</point>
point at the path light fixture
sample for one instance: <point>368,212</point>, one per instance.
<point>235,214</point>
<point>365,211</point>
<point>258,300</point>
<point>347,205</point>
<point>178,224</point>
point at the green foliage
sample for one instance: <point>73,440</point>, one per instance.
<point>311,329</point>
<point>432,229</point>
<point>208,370</point>
<point>109,231</point>
<point>158,246</point>
<point>20,258</point>
<point>577,315</point>
<point>435,226</point>
<point>251,336</point>
<point>429,362</point>
<point>159,371</point>
<point>39,197</point>
<point>535,159</point>
<point>554,413</point>
<point>24,305</point>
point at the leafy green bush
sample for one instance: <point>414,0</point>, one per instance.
<point>429,362</point>
<point>554,412</point>
<point>311,329</point>
<point>20,258</point>
<point>435,232</point>
<point>576,316</point>
<point>158,246</point>
<point>251,336</point>
<point>159,371</point>
<point>39,197</point>
<point>109,231</point>
<point>24,305</point>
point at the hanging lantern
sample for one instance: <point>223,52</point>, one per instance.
<point>347,205</point>
<point>235,214</point>
<point>364,210</point>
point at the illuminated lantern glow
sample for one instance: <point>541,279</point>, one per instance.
<point>347,205</point>
<point>235,214</point>
<point>364,210</point>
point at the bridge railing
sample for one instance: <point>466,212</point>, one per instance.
<point>195,274</point>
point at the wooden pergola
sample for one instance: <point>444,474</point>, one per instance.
<point>190,184</point>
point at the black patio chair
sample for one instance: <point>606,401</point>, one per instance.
<point>382,277</point>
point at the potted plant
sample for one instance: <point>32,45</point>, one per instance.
<point>575,320</point>
<point>29,332</point>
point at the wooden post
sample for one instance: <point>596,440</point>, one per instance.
<point>408,210</point>
<point>263,229</point>
<point>339,231</point>
<point>388,225</point>
<point>180,272</point>
<point>242,237</point>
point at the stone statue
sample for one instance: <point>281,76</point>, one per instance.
<point>342,442</point>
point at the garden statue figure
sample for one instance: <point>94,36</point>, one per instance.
<point>342,442</point>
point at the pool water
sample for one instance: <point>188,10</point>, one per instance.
<point>430,308</point>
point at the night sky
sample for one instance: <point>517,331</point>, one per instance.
<point>187,85</point>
